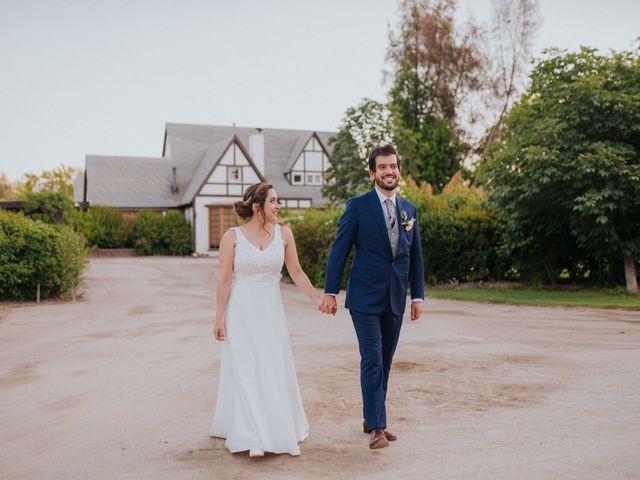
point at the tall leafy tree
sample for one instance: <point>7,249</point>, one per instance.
<point>566,179</point>
<point>435,66</point>
<point>363,128</point>
<point>60,179</point>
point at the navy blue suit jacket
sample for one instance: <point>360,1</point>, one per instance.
<point>376,278</point>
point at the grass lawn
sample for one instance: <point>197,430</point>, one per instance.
<point>603,298</point>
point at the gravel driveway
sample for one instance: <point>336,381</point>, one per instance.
<point>121,384</point>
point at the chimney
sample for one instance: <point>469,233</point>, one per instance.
<point>174,182</point>
<point>256,149</point>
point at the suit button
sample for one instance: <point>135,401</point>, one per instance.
<point>393,263</point>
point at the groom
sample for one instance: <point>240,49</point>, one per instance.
<point>383,228</point>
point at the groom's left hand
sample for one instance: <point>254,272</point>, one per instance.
<point>416,310</point>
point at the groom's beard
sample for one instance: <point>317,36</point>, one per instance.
<point>385,186</point>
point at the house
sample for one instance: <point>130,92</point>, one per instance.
<point>205,169</point>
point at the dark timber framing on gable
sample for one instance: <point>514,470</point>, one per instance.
<point>235,141</point>
<point>304,172</point>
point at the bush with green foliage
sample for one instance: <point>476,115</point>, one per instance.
<point>147,234</point>
<point>49,207</point>
<point>457,232</point>
<point>176,233</point>
<point>154,234</point>
<point>314,231</point>
<point>103,227</point>
<point>33,252</point>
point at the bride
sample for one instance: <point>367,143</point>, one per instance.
<point>259,406</point>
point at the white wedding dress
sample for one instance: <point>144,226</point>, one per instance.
<point>259,407</point>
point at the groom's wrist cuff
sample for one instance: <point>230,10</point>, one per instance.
<point>417,299</point>
<point>332,294</point>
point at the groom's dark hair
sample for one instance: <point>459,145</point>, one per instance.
<point>383,151</point>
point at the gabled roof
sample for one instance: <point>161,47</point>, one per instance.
<point>280,145</point>
<point>143,182</point>
<point>131,182</point>
<point>212,156</point>
<point>297,150</point>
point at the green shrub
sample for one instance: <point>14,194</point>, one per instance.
<point>103,227</point>
<point>176,233</point>
<point>147,234</point>
<point>314,231</point>
<point>49,207</point>
<point>33,252</point>
<point>458,234</point>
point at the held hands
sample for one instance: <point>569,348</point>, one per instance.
<point>317,301</point>
<point>328,305</point>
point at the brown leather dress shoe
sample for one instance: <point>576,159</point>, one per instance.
<point>389,435</point>
<point>377,439</point>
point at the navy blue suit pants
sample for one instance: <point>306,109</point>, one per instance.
<point>377,338</point>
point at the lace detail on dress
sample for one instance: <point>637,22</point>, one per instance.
<point>258,266</point>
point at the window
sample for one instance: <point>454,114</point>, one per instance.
<point>314,179</point>
<point>234,175</point>
<point>296,179</point>
<point>295,202</point>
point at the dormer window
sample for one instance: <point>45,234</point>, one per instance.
<point>311,165</point>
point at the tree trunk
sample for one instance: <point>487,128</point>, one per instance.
<point>630,274</point>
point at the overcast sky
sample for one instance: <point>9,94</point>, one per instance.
<point>103,77</point>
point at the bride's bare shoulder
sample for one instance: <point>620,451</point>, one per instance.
<point>286,232</point>
<point>229,238</point>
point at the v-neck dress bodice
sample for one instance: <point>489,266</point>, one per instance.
<point>253,265</point>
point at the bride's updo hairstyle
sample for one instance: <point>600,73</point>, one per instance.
<point>254,194</point>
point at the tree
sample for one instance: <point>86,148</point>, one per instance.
<point>566,180</point>
<point>436,65</point>
<point>363,128</point>
<point>60,179</point>
<point>49,207</point>
<point>510,42</point>
<point>7,189</point>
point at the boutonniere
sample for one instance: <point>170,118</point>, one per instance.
<point>407,222</point>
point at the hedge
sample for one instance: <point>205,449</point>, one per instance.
<point>458,235</point>
<point>459,239</point>
<point>314,231</point>
<point>103,227</point>
<point>149,233</point>
<point>33,252</point>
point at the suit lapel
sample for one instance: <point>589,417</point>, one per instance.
<point>400,206</point>
<point>378,215</point>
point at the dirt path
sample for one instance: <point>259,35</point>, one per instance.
<point>122,385</point>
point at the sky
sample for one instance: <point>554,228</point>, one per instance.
<point>81,77</point>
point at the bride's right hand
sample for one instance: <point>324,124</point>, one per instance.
<point>219,332</point>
